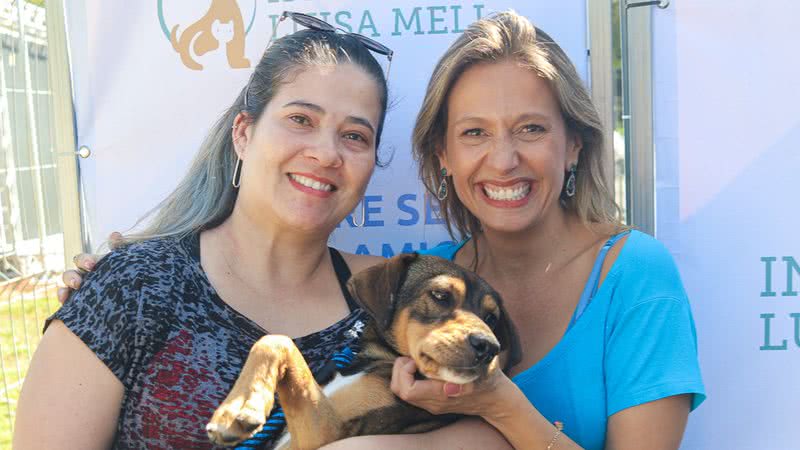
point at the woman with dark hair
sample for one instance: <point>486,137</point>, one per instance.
<point>151,344</point>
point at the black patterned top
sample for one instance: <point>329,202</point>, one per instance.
<point>150,314</point>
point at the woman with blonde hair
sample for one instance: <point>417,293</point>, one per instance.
<point>510,143</point>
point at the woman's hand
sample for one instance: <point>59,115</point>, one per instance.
<point>84,262</point>
<point>496,399</point>
<point>438,397</point>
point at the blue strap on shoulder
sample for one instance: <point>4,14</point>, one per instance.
<point>594,277</point>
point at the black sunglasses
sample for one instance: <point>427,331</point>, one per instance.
<point>316,24</point>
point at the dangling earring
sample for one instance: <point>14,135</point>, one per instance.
<point>570,188</point>
<point>237,169</point>
<point>441,193</point>
<point>237,173</point>
<point>363,215</point>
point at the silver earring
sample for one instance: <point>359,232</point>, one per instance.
<point>363,215</point>
<point>237,173</point>
<point>441,193</point>
<point>570,187</point>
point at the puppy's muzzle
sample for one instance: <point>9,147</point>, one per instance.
<point>485,347</point>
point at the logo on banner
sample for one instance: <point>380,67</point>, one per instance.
<point>773,338</point>
<point>221,28</point>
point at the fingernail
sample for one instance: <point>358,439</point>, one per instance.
<point>452,389</point>
<point>73,284</point>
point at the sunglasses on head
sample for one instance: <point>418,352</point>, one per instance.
<point>317,24</point>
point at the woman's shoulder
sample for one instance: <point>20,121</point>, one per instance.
<point>646,271</point>
<point>149,269</point>
<point>646,252</point>
<point>134,274</point>
<point>139,279</point>
<point>125,303</point>
<point>144,257</point>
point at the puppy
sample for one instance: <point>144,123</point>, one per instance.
<point>451,322</point>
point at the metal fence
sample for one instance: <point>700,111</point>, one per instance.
<point>31,236</point>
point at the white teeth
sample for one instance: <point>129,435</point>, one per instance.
<point>313,184</point>
<point>507,194</point>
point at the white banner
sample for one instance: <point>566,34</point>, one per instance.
<point>143,111</point>
<point>727,90</point>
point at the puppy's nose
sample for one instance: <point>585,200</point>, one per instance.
<point>485,347</point>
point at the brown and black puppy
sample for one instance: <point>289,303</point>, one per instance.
<point>451,322</point>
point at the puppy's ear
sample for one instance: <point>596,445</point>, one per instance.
<point>510,348</point>
<point>375,288</point>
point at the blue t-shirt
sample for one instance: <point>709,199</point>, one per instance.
<point>634,343</point>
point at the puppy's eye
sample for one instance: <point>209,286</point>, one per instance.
<point>442,297</point>
<point>490,320</point>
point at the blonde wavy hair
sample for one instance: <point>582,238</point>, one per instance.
<point>510,36</point>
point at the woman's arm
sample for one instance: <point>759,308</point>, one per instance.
<point>70,399</point>
<point>521,423</point>
<point>512,421</point>
<point>655,425</point>
<point>466,434</point>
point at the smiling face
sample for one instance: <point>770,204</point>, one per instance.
<point>507,146</point>
<point>307,160</point>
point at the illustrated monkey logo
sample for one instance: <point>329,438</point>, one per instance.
<point>221,24</point>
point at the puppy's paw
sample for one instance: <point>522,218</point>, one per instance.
<point>239,417</point>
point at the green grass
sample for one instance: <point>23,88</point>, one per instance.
<point>22,314</point>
